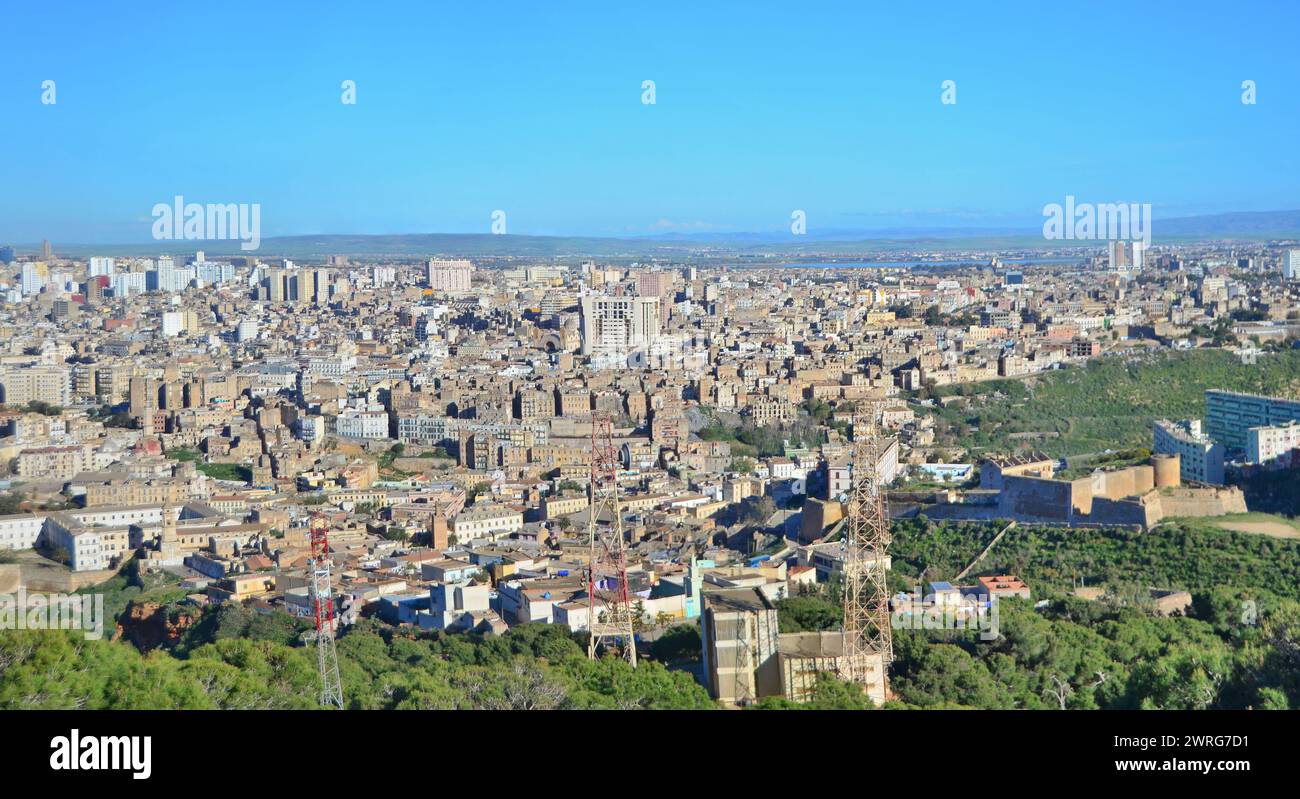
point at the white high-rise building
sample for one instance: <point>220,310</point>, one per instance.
<point>163,276</point>
<point>214,272</point>
<point>1127,256</point>
<point>1291,265</point>
<point>101,266</point>
<point>619,324</point>
<point>449,276</point>
<point>34,277</point>
<point>173,322</point>
<point>127,284</point>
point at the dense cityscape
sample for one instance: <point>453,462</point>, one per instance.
<point>469,434</point>
<point>904,384</point>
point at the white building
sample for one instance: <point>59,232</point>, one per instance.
<point>618,325</point>
<point>491,521</point>
<point>449,276</point>
<point>33,278</point>
<point>49,384</point>
<point>1291,265</point>
<point>1200,456</point>
<point>453,606</point>
<point>1127,256</point>
<point>356,423</point>
<point>1273,445</point>
<point>173,323</point>
<point>20,531</point>
<point>127,284</point>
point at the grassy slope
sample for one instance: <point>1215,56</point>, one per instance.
<point>1110,403</point>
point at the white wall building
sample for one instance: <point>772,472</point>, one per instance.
<point>1273,445</point>
<point>1201,457</point>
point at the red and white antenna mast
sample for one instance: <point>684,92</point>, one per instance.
<point>322,595</point>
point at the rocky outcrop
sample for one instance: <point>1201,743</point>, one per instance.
<point>148,625</point>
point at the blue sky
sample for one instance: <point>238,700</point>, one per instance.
<point>535,109</point>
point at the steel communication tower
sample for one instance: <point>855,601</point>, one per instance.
<point>609,605</point>
<point>868,637</point>
<point>322,592</point>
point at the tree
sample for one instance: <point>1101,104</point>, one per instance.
<point>679,642</point>
<point>755,510</point>
<point>741,466</point>
<point>808,613</point>
<point>10,503</point>
<point>828,693</point>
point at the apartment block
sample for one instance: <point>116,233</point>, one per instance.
<point>1201,458</point>
<point>1230,415</point>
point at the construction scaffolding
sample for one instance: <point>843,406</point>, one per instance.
<point>322,596</point>
<point>868,638</point>
<point>609,604</point>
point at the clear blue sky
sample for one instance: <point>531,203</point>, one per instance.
<point>535,109</point>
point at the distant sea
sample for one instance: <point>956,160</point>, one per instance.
<point>918,262</point>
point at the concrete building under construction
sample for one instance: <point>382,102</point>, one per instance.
<point>802,656</point>
<point>746,658</point>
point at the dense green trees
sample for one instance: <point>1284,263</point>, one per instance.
<point>10,503</point>
<point>60,670</point>
<point>679,642</point>
<point>531,667</point>
<point>1079,655</point>
<point>1237,646</point>
<point>1179,555</point>
<point>828,694</point>
<point>807,613</point>
<point>232,620</point>
<point>1073,654</point>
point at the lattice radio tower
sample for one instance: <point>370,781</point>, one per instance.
<point>868,638</point>
<point>322,593</point>
<point>609,605</point>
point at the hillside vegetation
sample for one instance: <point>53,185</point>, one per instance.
<point>1108,404</point>
<point>530,667</point>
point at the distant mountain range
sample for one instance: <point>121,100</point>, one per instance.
<point>1250,226</point>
